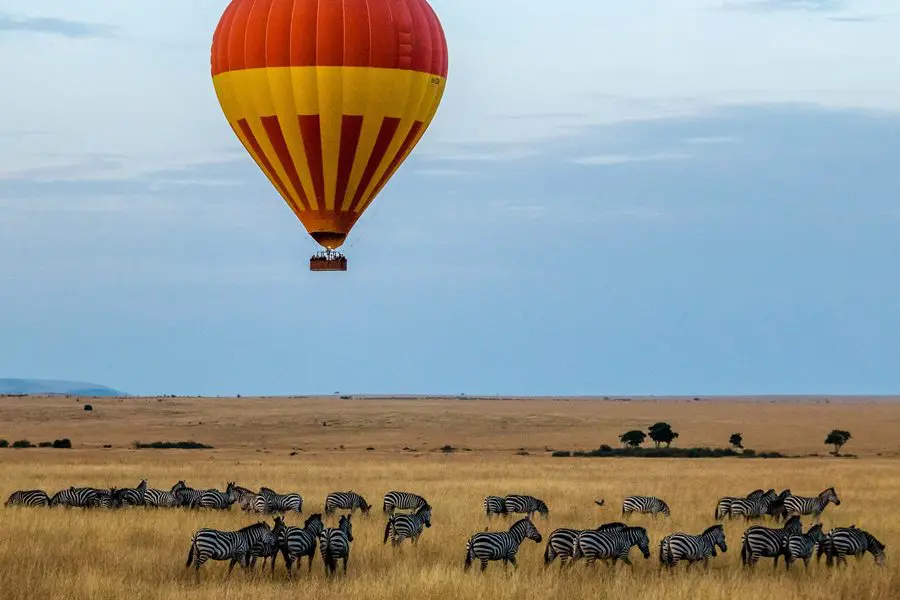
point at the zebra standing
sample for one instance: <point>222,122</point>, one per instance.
<point>406,500</point>
<point>28,498</point>
<point>723,506</point>
<point>218,500</point>
<point>334,543</point>
<point>798,545</point>
<point>213,544</point>
<point>346,501</point>
<point>776,507</point>
<point>494,505</point>
<point>267,545</point>
<point>162,498</point>
<point>842,541</point>
<point>611,543</point>
<point>111,498</point>
<point>646,505</point>
<point>528,505</point>
<point>500,545</point>
<point>77,497</point>
<point>692,548</point>
<point>802,505</point>
<point>561,542</point>
<point>759,541</point>
<point>402,526</point>
<point>297,542</point>
<point>281,502</point>
<point>133,496</point>
<point>186,496</point>
<point>752,508</point>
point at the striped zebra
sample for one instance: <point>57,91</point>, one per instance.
<point>76,497</point>
<point>297,542</point>
<point>402,526</point>
<point>111,498</point>
<point>334,543</point>
<point>290,502</point>
<point>162,498</point>
<point>723,506</point>
<point>186,496</point>
<point>527,505</point>
<point>752,508</point>
<point>843,541</point>
<point>218,500</point>
<point>759,541</point>
<point>679,546</point>
<point>132,496</point>
<point>493,505</point>
<point>802,505</point>
<point>799,545</point>
<point>561,542</point>
<point>776,508</point>
<point>28,498</point>
<point>257,504</point>
<point>267,545</point>
<point>405,500</point>
<point>500,545</point>
<point>213,544</point>
<point>346,501</point>
<point>645,505</point>
<point>614,544</point>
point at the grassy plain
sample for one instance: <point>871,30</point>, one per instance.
<point>139,553</point>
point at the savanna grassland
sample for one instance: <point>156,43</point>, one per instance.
<point>140,553</point>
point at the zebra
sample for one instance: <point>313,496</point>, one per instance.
<point>78,497</point>
<point>133,496</point>
<point>611,543</point>
<point>494,505</point>
<point>267,545</point>
<point>28,498</point>
<point>500,545</point>
<point>723,506</point>
<point>776,508</point>
<point>406,500</point>
<point>692,548</point>
<point>186,496</point>
<point>257,504</point>
<point>517,503</point>
<point>798,545</point>
<point>297,542</point>
<point>346,501</point>
<point>402,526</point>
<point>218,500</point>
<point>334,543</point>
<point>802,505</point>
<point>213,544</point>
<point>561,542</point>
<point>162,498</point>
<point>111,498</point>
<point>841,541</point>
<point>281,502</point>
<point>752,508</point>
<point>759,541</point>
<point>645,505</point>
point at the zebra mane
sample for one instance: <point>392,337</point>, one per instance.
<point>257,525</point>
<point>873,541</point>
<point>824,493</point>
<point>423,508</point>
<point>312,518</point>
<point>709,530</point>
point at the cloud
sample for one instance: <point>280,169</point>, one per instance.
<point>442,172</point>
<point>54,26</point>
<point>480,152</point>
<point>795,5</point>
<point>621,159</point>
<point>710,140</point>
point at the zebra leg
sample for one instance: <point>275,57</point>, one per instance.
<point>484,563</point>
<point>346,558</point>
<point>310,556</point>
<point>512,559</point>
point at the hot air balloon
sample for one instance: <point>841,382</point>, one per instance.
<point>329,97</point>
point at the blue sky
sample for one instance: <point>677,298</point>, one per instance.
<point>651,197</point>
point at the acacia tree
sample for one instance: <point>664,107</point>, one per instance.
<point>837,438</point>
<point>736,440</point>
<point>633,438</point>
<point>661,433</point>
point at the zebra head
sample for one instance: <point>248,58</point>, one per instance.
<point>364,506</point>
<point>829,495</point>
<point>793,525</point>
<point>346,527</point>
<point>815,533</point>
<point>178,486</point>
<point>716,535</point>
<point>231,491</point>
<point>638,535</point>
<point>542,508</point>
<point>142,486</point>
<point>279,526</point>
<point>876,548</point>
<point>424,513</point>
<point>314,524</point>
<point>527,530</point>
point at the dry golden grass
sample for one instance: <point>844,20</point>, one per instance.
<point>138,553</point>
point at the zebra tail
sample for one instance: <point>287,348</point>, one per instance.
<point>547,557</point>
<point>744,550</point>
<point>576,550</point>
<point>468,555</point>
<point>190,557</point>
<point>387,529</point>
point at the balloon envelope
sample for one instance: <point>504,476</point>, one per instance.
<point>329,97</point>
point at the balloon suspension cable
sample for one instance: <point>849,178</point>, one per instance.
<point>328,260</point>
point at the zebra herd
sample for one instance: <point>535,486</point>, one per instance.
<point>608,542</point>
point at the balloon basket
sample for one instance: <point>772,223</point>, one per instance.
<point>328,261</point>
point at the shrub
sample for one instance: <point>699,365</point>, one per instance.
<point>171,445</point>
<point>4,444</point>
<point>22,444</point>
<point>63,443</point>
<point>448,448</point>
<point>88,407</point>
<point>45,444</point>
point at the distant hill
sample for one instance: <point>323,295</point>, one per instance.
<point>39,387</point>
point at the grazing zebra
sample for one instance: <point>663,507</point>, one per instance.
<point>406,500</point>
<point>133,496</point>
<point>752,508</point>
<point>692,548</point>
<point>346,501</point>
<point>281,502</point>
<point>28,498</point>
<point>162,498</point>
<point>723,506</point>
<point>402,526</point>
<point>528,505</point>
<point>611,543</point>
<point>267,545</point>
<point>802,505</point>
<point>759,541</point>
<point>500,545</point>
<point>297,542</point>
<point>645,505</point>
<point>798,545</point>
<point>561,542</point>
<point>841,541</point>
<point>78,497</point>
<point>493,505</point>
<point>218,500</point>
<point>213,544</point>
<point>334,543</point>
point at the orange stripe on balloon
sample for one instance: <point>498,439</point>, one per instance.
<point>311,130</point>
<point>273,129</point>
<point>258,152</point>
<point>351,126</point>
<point>382,142</point>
